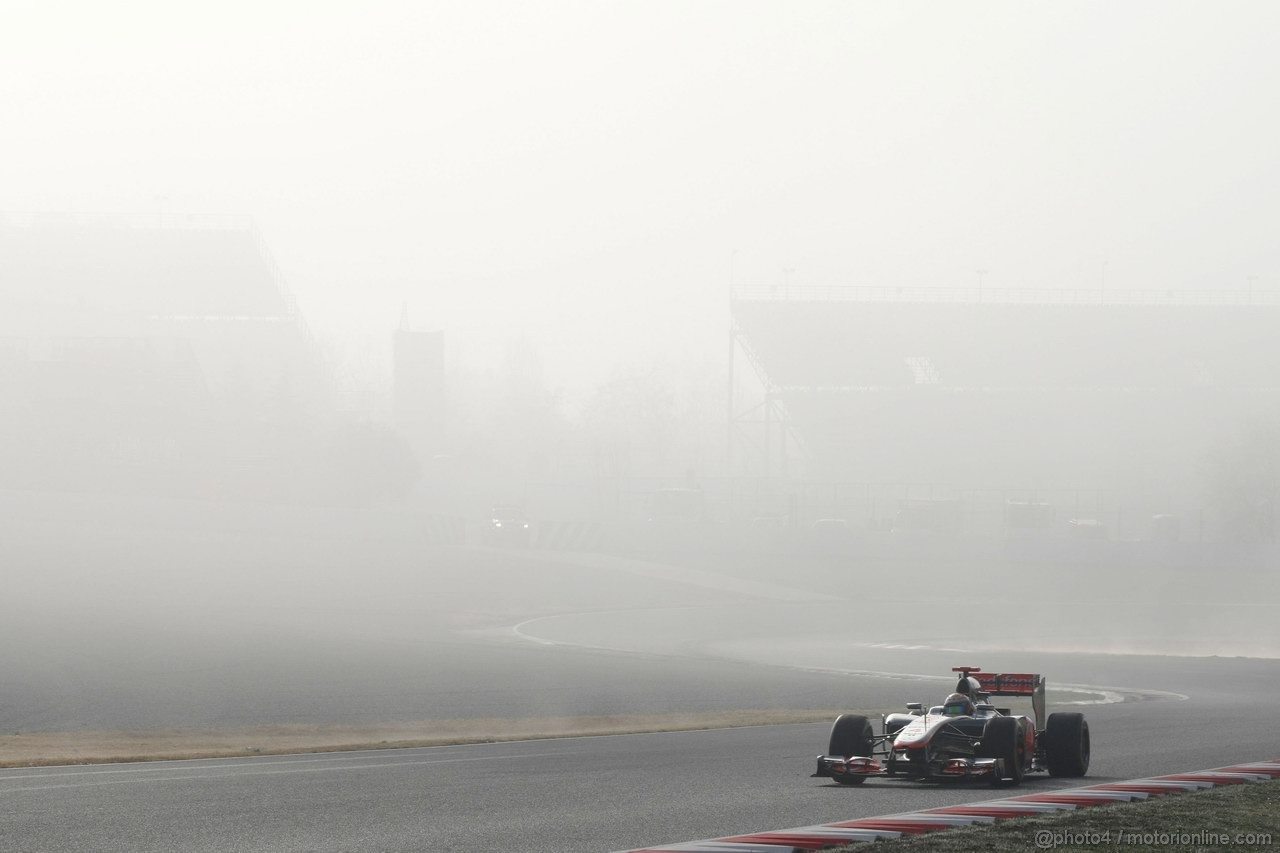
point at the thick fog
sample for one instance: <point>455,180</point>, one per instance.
<point>338,344</point>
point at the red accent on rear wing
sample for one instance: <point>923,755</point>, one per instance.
<point>1016,684</point>
<point>1008,683</point>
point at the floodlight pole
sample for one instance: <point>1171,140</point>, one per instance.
<point>728,433</point>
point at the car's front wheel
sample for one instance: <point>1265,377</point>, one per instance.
<point>1003,739</point>
<point>850,736</point>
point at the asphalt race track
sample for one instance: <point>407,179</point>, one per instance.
<point>594,794</point>
<point>716,643</point>
<point>564,796</point>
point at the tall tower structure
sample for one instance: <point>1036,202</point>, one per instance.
<point>418,386</point>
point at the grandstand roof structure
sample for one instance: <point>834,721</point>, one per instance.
<point>867,339</point>
<point>1056,389</point>
<point>144,267</point>
<point>145,353</point>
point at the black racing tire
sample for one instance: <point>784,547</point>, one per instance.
<point>1066,745</point>
<point>1003,739</point>
<point>851,735</point>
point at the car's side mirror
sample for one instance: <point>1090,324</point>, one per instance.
<point>915,707</point>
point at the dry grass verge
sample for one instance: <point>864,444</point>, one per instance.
<point>38,749</point>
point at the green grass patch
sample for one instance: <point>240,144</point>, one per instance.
<point>1212,820</point>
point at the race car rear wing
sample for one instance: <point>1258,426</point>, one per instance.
<point>1003,684</point>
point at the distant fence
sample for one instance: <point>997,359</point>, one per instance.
<point>568,535</point>
<point>445,531</point>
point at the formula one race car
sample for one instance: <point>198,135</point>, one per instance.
<point>964,738</point>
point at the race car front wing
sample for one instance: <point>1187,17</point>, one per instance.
<point>837,766</point>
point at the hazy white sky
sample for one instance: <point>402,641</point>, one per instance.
<point>583,171</point>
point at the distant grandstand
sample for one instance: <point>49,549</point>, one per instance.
<point>898,394</point>
<point>141,266</point>
<point>157,355</point>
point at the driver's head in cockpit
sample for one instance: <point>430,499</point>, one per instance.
<point>958,705</point>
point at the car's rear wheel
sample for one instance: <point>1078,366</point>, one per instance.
<point>851,735</point>
<point>1003,739</point>
<point>1066,744</point>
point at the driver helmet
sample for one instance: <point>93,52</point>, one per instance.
<point>958,705</point>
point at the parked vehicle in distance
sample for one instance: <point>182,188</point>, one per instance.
<point>1086,528</point>
<point>507,525</point>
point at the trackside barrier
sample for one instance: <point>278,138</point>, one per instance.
<point>567,535</point>
<point>445,531</point>
<point>829,835</point>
